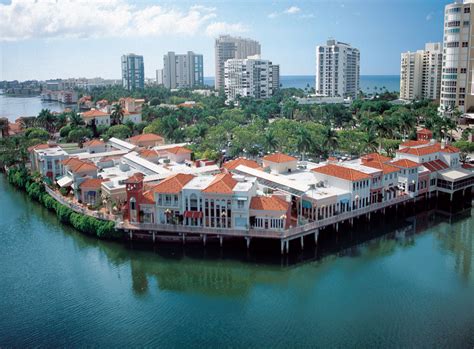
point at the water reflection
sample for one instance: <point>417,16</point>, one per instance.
<point>235,272</point>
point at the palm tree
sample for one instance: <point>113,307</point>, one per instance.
<point>271,143</point>
<point>46,120</point>
<point>117,114</point>
<point>330,140</point>
<point>304,142</point>
<point>369,142</point>
<point>75,119</point>
<point>289,108</point>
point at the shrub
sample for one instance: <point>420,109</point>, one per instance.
<point>64,131</point>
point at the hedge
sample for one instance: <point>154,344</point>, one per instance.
<point>20,178</point>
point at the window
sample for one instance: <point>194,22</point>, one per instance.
<point>132,204</point>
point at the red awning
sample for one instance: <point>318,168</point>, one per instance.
<point>192,214</point>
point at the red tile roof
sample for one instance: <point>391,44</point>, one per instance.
<point>38,146</point>
<point>405,163</point>
<point>424,131</point>
<point>386,168</point>
<point>148,153</point>
<point>81,166</point>
<point>342,172</point>
<point>417,143</point>
<point>94,143</point>
<point>430,149</point>
<point>374,157</point>
<point>269,203</point>
<point>223,183</point>
<point>435,165</point>
<point>92,183</point>
<point>178,150</point>
<point>173,184</point>
<point>93,113</point>
<point>279,158</point>
<point>135,178</point>
<point>233,164</point>
<point>146,137</point>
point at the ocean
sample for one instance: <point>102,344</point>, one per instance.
<point>367,82</point>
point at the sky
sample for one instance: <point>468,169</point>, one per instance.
<point>46,39</point>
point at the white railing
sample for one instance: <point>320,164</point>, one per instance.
<point>79,208</point>
<point>262,233</point>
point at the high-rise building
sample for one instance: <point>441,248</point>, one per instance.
<point>249,77</point>
<point>183,70</point>
<point>229,47</point>
<point>456,84</point>
<point>133,71</point>
<point>337,69</point>
<point>275,77</point>
<point>159,76</point>
<point>420,73</point>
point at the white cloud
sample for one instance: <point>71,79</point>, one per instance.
<point>292,10</point>
<point>218,28</point>
<point>30,19</point>
<point>429,16</point>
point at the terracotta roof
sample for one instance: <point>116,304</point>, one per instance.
<point>148,197</point>
<point>435,165</point>
<point>148,153</point>
<point>81,166</point>
<point>424,131</point>
<point>146,137</point>
<point>173,184</point>
<point>94,143</point>
<point>178,150</point>
<point>386,168</point>
<point>70,161</point>
<point>430,149</point>
<point>279,158</point>
<point>374,157</point>
<point>269,203</point>
<point>38,146</point>
<point>93,113</point>
<point>405,163</point>
<point>233,164</point>
<point>223,183</point>
<point>342,172</point>
<point>135,178</point>
<point>92,183</point>
<point>412,143</point>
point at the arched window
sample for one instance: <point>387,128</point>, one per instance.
<point>133,204</point>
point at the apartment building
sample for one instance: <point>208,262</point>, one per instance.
<point>420,73</point>
<point>230,47</point>
<point>183,70</point>
<point>456,80</point>
<point>337,70</point>
<point>133,71</point>
<point>249,77</point>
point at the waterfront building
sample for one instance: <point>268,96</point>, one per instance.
<point>133,72</point>
<point>159,188</point>
<point>47,159</point>
<point>337,70</point>
<point>249,77</point>
<point>456,84</point>
<point>230,47</point>
<point>420,73</point>
<point>183,70</point>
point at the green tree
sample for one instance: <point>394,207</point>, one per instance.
<point>116,117</point>
<point>119,131</point>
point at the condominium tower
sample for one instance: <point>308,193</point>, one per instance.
<point>182,70</point>
<point>337,69</point>
<point>250,77</point>
<point>229,47</point>
<point>133,71</point>
<point>420,73</point>
<point>456,80</point>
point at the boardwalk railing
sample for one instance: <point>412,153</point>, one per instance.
<point>261,233</point>
<point>79,208</point>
